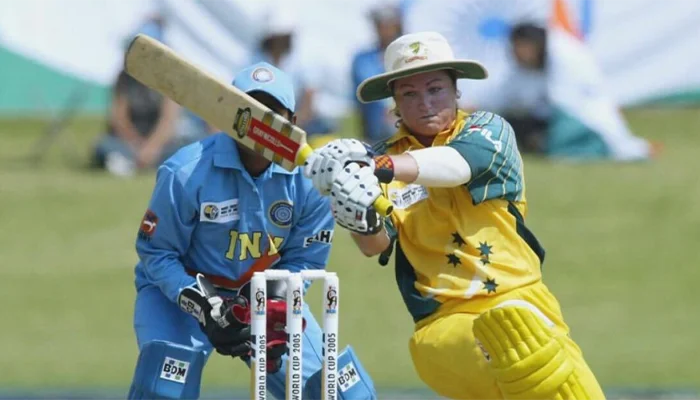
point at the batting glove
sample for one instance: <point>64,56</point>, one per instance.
<point>353,192</point>
<point>324,164</point>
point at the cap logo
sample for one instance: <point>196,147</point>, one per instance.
<point>263,75</point>
<point>415,47</point>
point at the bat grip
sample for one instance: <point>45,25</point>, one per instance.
<point>383,206</point>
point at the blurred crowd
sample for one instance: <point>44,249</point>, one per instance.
<point>143,128</point>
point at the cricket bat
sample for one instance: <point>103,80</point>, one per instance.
<point>221,105</point>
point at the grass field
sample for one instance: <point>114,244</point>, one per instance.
<point>620,256</point>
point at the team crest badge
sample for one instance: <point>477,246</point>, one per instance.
<point>418,51</point>
<point>263,75</point>
<point>280,213</point>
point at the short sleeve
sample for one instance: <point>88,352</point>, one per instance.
<point>487,142</point>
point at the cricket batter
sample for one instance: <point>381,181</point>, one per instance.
<point>467,266</point>
<point>218,213</point>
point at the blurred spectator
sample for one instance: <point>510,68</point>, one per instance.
<point>528,108</point>
<point>558,103</point>
<point>377,119</point>
<point>141,123</point>
<point>277,48</point>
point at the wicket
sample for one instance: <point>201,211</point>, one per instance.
<point>295,305</point>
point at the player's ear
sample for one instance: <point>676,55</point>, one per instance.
<point>294,119</point>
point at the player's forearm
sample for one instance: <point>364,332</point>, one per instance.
<point>372,245</point>
<point>438,166</point>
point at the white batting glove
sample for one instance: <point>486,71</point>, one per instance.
<point>324,164</point>
<point>353,192</point>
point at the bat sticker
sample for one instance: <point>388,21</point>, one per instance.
<point>241,124</point>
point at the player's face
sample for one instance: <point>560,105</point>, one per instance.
<point>427,102</point>
<point>527,53</point>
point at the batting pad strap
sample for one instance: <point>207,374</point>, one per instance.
<point>353,382</point>
<point>441,166</point>
<point>167,370</point>
<point>528,359</point>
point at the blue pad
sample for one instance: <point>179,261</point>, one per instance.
<point>167,370</point>
<point>354,383</point>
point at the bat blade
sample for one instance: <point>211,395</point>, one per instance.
<point>221,105</point>
<point>217,102</point>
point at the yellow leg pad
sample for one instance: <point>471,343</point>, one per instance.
<point>526,356</point>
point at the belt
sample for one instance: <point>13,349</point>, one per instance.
<point>261,264</point>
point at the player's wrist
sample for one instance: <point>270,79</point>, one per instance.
<point>384,168</point>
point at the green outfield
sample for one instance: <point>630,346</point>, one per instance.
<point>619,241</point>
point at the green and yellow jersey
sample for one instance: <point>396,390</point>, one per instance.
<point>459,248</point>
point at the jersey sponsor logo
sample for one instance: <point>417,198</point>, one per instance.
<point>174,370</point>
<point>219,213</point>
<point>148,225</point>
<point>325,237</point>
<point>408,195</point>
<point>280,213</point>
<point>348,377</point>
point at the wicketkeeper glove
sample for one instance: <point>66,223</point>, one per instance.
<point>226,320</point>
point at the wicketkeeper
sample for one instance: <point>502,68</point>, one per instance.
<point>218,213</point>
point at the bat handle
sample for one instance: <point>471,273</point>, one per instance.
<point>383,206</point>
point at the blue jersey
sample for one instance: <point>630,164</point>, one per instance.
<point>208,215</point>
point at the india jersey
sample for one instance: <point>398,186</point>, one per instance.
<point>468,242</point>
<point>208,215</point>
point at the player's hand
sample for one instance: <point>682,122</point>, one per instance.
<point>224,320</point>
<point>324,164</point>
<point>353,192</point>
